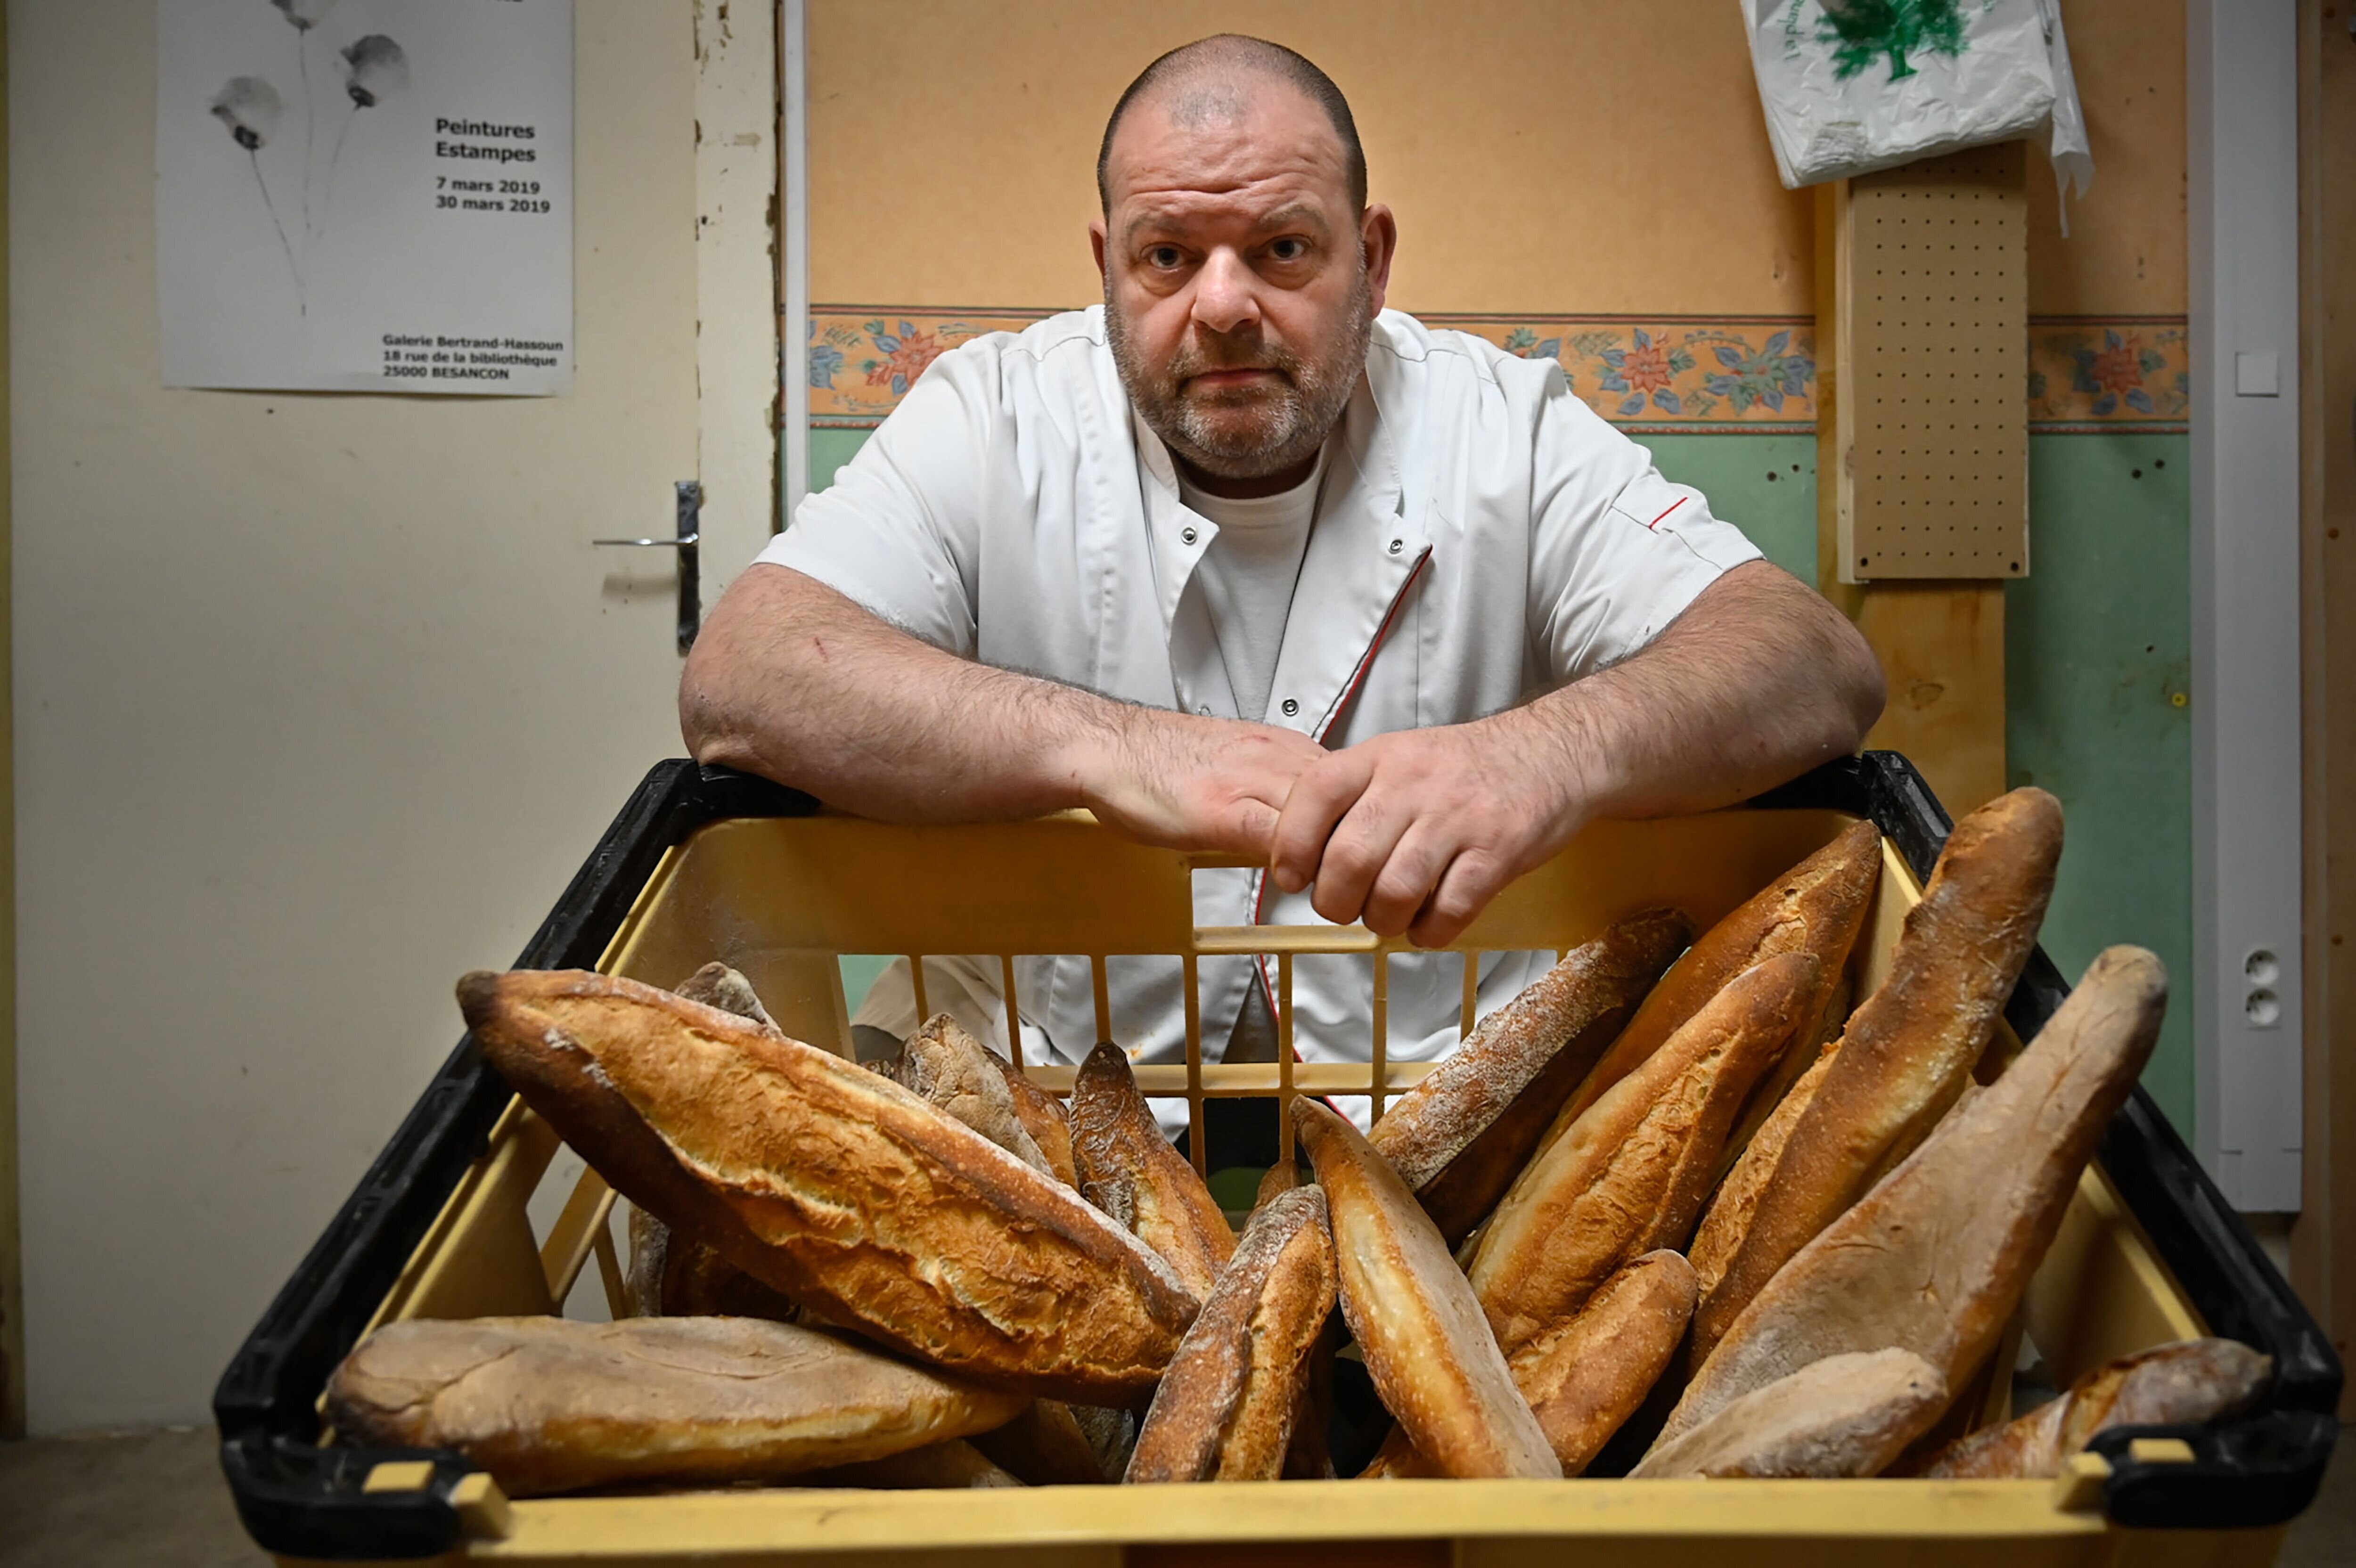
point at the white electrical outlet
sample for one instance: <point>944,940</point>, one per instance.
<point>2261,1004</point>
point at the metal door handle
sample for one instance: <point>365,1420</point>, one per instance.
<point>690,535</point>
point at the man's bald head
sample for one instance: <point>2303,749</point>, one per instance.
<point>1212,79</point>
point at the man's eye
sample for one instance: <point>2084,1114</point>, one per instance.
<point>1162,256</point>
<point>1289,250</point>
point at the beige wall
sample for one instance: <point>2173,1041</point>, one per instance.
<point>1543,155</point>
<point>320,701</point>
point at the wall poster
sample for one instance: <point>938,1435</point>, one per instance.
<point>366,194</point>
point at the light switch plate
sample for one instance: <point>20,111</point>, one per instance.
<point>2257,376</point>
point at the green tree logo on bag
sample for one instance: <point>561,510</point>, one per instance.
<point>1861,31</point>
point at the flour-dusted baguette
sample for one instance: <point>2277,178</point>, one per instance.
<point>1910,1050</point>
<point>2168,1385</point>
<point>1460,1135</point>
<point>836,1187</point>
<point>1817,908</point>
<point>1227,1406</point>
<point>957,1073</point>
<point>1584,1378</point>
<point>1630,1177</point>
<point>1044,1446</point>
<point>1433,1361</point>
<point>546,1405</point>
<point>1934,1259</point>
<point>1849,1414</point>
<point>1727,1218</point>
<point>1129,1170</point>
<point>717,985</point>
<point>1044,1118</point>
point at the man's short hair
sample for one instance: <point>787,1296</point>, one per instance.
<point>1236,49</point>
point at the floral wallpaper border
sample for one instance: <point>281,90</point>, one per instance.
<point>1650,374</point>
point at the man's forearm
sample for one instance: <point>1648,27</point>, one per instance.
<point>1759,680</point>
<point>792,680</point>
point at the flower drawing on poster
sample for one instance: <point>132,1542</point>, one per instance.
<point>252,109</point>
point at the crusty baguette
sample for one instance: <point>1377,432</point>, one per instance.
<point>1910,1050</point>
<point>1934,1259</point>
<point>1460,1135</point>
<point>1809,1047</point>
<point>949,1068</point>
<point>1847,1415</point>
<point>2192,1381</point>
<point>717,985</point>
<point>954,1465</point>
<point>1584,1378</point>
<point>836,1187</point>
<point>1431,1358</point>
<point>1631,1175</point>
<point>1228,1405</point>
<point>546,1405</point>
<point>1044,1118</point>
<point>679,1276</point>
<point>1129,1170</point>
<point>1817,907</point>
<point>1044,1446</point>
<point>1728,1217</point>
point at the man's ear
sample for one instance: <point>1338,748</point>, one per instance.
<point>1097,245</point>
<point>1378,235</point>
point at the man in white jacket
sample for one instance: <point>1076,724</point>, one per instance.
<point>1241,560</point>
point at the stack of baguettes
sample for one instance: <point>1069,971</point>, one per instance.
<point>1676,1210</point>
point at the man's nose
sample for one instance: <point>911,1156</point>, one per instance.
<point>1227,297</point>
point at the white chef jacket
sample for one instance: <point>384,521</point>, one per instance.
<point>1481,536</point>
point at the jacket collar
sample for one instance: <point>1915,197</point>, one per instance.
<point>1363,551</point>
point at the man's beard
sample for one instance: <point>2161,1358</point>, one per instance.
<point>1282,425</point>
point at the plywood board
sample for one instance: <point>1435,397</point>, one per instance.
<point>1932,305</point>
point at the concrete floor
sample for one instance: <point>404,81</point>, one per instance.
<point>156,1498</point>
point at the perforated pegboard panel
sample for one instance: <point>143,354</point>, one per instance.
<point>1932,301</point>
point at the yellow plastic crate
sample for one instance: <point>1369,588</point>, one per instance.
<point>781,897</point>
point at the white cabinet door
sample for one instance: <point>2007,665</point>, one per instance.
<point>320,701</point>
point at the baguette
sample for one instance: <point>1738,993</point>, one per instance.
<point>1460,1135</point>
<point>1809,1047</point>
<point>1042,1117</point>
<point>953,1465</point>
<point>1631,1175</point>
<point>1228,1405</point>
<point>1817,908</point>
<point>1910,1050</point>
<point>1431,1358</point>
<point>717,985</point>
<point>2192,1381</point>
<point>546,1405</point>
<point>1847,1415</point>
<point>1128,1169</point>
<point>945,1065</point>
<point>1728,1217</point>
<point>836,1187</point>
<point>679,1276</point>
<point>1934,1259</point>
<point>1584,1378</point>
<point>1044,1446</point>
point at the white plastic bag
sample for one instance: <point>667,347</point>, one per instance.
<point>1851,86</point>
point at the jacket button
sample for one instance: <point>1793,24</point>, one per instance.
<point>1397,545</point>
<point>1291,708</point>
<point>1187,535</point>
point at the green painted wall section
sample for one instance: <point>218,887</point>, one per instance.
<point>2097,647</point>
